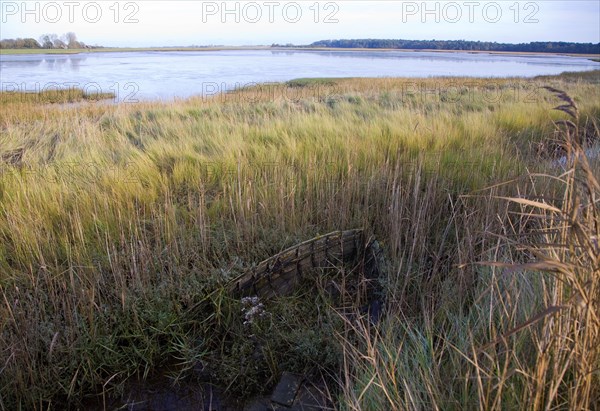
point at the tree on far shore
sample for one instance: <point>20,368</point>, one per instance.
<point>465,45</point>
<point>20,43</point>
<point>46,41</point>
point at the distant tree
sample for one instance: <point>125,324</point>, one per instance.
<point>46,41</point>
<point>7,44</point>
<point>54,40</point>
<point>30,43</point>
<point>59,44</point>
<point>70,39</point>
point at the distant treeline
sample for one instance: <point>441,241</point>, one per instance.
<point>19,44</point>
<point>537,47</point>
<point>47,41</point>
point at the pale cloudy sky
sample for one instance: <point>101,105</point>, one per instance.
<point>194,22</point>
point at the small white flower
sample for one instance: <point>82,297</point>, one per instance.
<point>252,309</point>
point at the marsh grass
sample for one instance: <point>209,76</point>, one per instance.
<point>52,96</point>
<point>528,336</point>
<point>118,219</point>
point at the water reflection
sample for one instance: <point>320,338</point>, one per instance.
<point>434,56</point>
<point>167,75</point>
<point>22,64</point>
<point>57,62</point>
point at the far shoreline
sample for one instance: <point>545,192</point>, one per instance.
<point>592,57</point>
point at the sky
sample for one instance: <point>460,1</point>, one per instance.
<point>147,23</point>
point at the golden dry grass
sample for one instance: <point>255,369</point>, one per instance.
<point>118,218</point>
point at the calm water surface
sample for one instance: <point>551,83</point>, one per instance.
<point>167,75</point>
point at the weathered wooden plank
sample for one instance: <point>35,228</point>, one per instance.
<point>279,274</point>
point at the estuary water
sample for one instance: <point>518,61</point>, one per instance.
<point>160,75</point>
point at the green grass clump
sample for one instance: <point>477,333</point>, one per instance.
<point>309,82</point>
<point>592,77</point>
<point>117,220</point>
<point>71,95</point>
